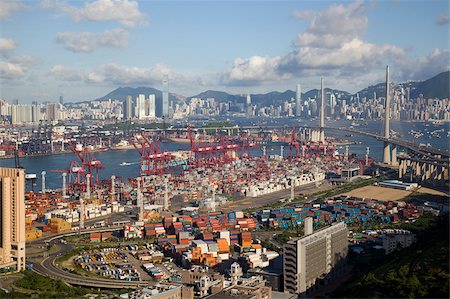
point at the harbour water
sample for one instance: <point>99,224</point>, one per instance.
<point>113,159</point>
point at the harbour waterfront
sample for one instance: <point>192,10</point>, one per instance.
<point>113,159</point>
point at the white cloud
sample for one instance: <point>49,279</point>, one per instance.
<point>16,67</point>
<point>253,70</point>
<point>424,67</point>
<point>354,55</point>
<point>117,75</point>
<point>89,41</point>
<point>333,26</point>
<point>332,45</point>
<point>7,46</point>
<point>7,7</point>
<point>66,74</point>
<point>125,12</point>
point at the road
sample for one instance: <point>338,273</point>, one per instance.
<point>260,201</point>
<point>48,268</point>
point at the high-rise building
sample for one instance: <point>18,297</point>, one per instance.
<point>165,97</point>
<point>61,100</point>
<point>52,111</point>
<point>151,100</point>
<point>318,256</point>
<point>332,103</point>
<point>298,101</point>
<point>12,220</point>
<point>128,108</point>
<point>21,114</point>
<point>140,106</point>
<point>36,114</point>
<point>248,100</point>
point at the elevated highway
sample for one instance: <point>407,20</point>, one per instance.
<point>48,268</point>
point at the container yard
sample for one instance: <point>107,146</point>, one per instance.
<point>212,172</point>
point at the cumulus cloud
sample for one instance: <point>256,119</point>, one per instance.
<point>119,74</point>
<point>16,67</point>
<point>89,41</point>
<point>424,67</point>
<point>125,12</point>
<point>7,7</point>
<point>253,70</point>
<point>66,74</point>
<point>7,46</point>
<point>443,20</point>
<point>332,45</point>
<point>335,25</point>
<point>332,41</point>
<point>116,74</point>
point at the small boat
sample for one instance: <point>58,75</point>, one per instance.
<point>125,164</point>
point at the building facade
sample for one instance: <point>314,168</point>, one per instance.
<point>315,258</point>
<point>12,212</point>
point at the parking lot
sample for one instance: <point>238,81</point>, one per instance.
<point>128,262</point>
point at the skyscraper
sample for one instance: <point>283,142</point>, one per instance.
<point>387,115</point>
<point>52,112</point>
<point>248,100</point>
<point>151,106</point>
<point>318,255</point>
<point>128,108</point>
<point>61,100</point>
<point>12,212</point>
<point>332,103</point>
<point>322,112</point>
<point>140,106</point>
<point>298,101</point>
<point>165,97</point>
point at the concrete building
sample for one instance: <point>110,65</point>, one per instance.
<point>204,282</point>
<point>298,101</point>
<point>151,101</point>
<point>315,258</point>
<point>253,287</point>
<point>161,291</point>
<point>52,112</point>
<point>394,239</point>
<point>21,114</point>
<point>128,108</point>
<point>140,106</point>
<point>12,212</point>
<point>165,97</point>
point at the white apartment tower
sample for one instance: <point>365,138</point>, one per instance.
<point>298,101</point>
<point>319,256</point>
<point>140,106</point>
<point>151,101</point>
<point>165,97</point>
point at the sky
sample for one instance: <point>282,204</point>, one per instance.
<point>82,50</point>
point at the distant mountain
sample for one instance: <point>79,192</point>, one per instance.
<point>436,87</point>
<point>220,96</point>
<point>121,93</point>
<point>266,99</point>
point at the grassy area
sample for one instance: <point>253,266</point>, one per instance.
<point>419,271</point>
<point>417,197</point>
<point>42,287</point>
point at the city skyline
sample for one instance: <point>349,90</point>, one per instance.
<point>83,50</point>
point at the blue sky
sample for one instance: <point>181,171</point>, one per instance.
<point>85,49</point>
